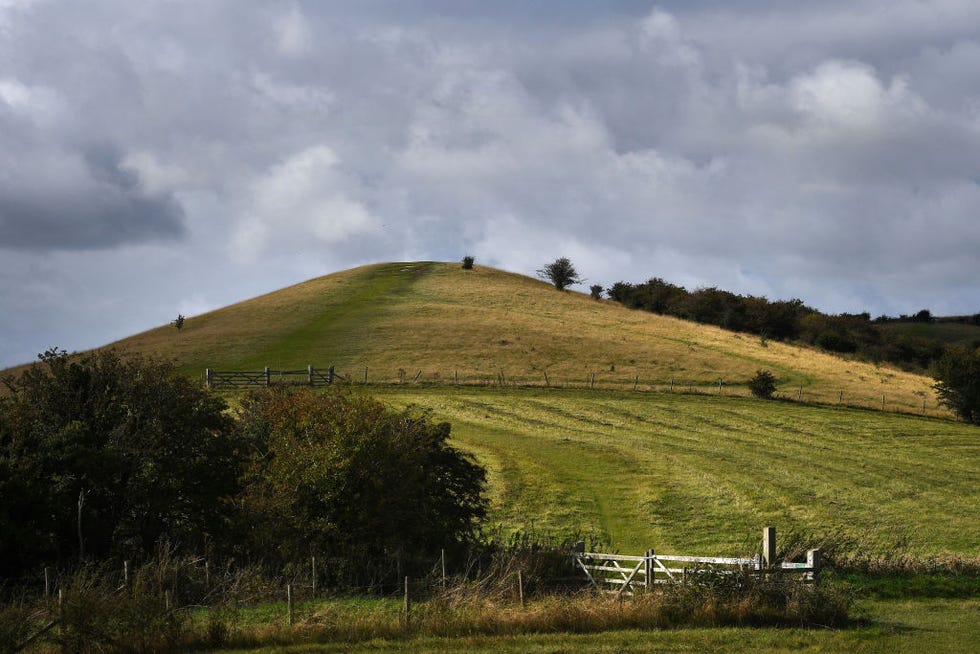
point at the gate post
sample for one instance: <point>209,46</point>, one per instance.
<point>309,373</point>
<point>769,546</point>
<point>330,374</point>
<point>813,560</point>
<point>268,376</point>
<point>649,569</point>
<point>208,377</point>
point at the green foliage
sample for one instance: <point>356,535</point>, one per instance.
<point>468,262</point>
<point>596,291</point>
<point>343,474</point>
<point>179,322</point>
<point>561,273</point>
<point>957,375</point>
<point>763,384</point>
<point>152,454</point>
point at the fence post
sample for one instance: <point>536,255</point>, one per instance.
<point>408,605</point>
<point>47,582</point>
<point>799,395</point>
<point>882,401</point>
<point>547,382</point>
<point>719,387</point>
<point>840,398</point>
<point>455,377</point>
<point>769,546</point>
<point>636,380</point>
<point>648,568</point>
<point>313,571</point>
<point>208,377</point>
<point>365,374</point>
<point>330,374</point>
<point>309,373</point>
<point>289,604</point>
<point>671,385</point>
<point>814,560</point>
<point>268,376</point>
<point>923,406</point>
<point>520,587</point>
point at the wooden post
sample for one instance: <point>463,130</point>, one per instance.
<point>636,380</point>
<point>166,600</point>
<point>923,406</point>
<point>769,546</point>
<point>313,572</point>
<point>207,576</point>
<point>442,564</point>
<point>309,373</point>
<point>520,587</point>
<point>208,377</point>
<point>408,605</point>
<point>330,374</point>
<point>365,374</point>
<point>799,394</point>
<point>840,398</point>
<point>289,604</point>
<point>684,576</point>
<point>126,573</point>
<point>719,387</point>
<point>268,376</point>
<point>417,375</point>
<point>547,382</point>
<point>47,582</point>
<point>882,401</point>
<point>456,377</point>
<point>648,568</point>
<point>814,560</point>
<point>61,612</point>
<point>671,385</point>
<point>592,381</point>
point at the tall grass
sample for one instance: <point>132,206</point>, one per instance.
<point>99,613</point>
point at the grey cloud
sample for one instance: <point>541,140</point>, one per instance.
<point>82,201</point>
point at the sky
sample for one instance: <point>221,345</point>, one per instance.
<point>172,157</point>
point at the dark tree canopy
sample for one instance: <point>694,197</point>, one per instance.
<point>148,453</point>
<point>957,374</point>
<point>561,273</point>
<point>341,473</point>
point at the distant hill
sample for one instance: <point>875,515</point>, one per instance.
<point>428,322</point>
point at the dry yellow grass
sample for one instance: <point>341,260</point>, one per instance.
<point>401,318</point>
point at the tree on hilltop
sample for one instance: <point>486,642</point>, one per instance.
<point>561,273</point>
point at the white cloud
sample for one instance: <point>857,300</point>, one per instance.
<point>299,199</point>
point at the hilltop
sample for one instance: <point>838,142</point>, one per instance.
<point>435,320</point>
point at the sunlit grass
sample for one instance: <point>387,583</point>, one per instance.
<point>437,321</point>
<point>693,474</point>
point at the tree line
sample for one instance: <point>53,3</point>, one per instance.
<point>106,457</point>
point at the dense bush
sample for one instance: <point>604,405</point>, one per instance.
<point>468,262</point>
<point>957,375</point>
<point>102,456</point>
<point>763,384</point>
<point>342,474</point>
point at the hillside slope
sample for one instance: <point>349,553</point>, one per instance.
<point>400,319</point>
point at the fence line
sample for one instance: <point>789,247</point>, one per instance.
<point>903,403</point>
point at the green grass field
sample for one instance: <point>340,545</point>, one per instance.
<point>700,474</point>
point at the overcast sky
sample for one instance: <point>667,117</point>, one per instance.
<point>173,157</point>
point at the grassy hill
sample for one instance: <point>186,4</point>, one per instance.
<point>399,319</point>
